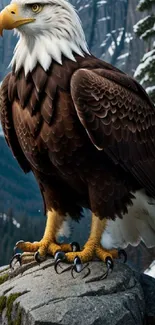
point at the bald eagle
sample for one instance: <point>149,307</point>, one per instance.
<point>84,128</point>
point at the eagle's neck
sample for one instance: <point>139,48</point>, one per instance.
<point>43,49</point>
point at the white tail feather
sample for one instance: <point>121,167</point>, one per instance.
<point>137,225</point>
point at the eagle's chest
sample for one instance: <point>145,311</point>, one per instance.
<point>58,144</point>
<point>65,137</point>
<point>45,119</point>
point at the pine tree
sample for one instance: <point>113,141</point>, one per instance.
<point>145,29</point>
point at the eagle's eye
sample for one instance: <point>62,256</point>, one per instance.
<point>36,8</point>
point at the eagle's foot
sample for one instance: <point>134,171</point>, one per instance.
<point>39,250</point>
<point>77,267</point>
<point>90,251</point>
<point>21,259</point>
<point>109,264</point>
<point>54,248</point>
<point>102,254</point>
<point>59,258</point>
<point>78,259</point>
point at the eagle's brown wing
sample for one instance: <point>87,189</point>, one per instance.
<point>8,128</point>
<point>119,119</point>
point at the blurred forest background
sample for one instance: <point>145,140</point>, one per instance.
<point>121,32</point>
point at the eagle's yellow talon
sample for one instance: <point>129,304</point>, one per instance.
<point>40,250</point>
<point>93,247</point>
<point>22,259</point>
<point>102,254</point>
<point>89,253</point>
<point>27,246</point>
<point>85,256</point>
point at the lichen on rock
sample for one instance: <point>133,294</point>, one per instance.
<point>4,278</point>
<point>2,303</point>
<point>45,297</point>
<point>9,305</point>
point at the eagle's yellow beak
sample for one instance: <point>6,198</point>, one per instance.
<point>9,18</point>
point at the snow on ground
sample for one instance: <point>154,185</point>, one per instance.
<point>151,270</point>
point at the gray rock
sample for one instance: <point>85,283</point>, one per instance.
<point>148,285</point>
<point>50,299</point>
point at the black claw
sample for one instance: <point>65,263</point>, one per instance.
<point>75,247</point>
<point>110,265</point>
<point>38,257</point>
<point>56,264</point>
<point>15,247</point>
<point>122,253</point>
<point>59,257</point>
<point>16,259</point>
<point>78,267</point>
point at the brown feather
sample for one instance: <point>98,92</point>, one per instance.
<point>56,121</point>
<point>105,126</point>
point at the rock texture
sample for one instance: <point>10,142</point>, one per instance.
<point>41,297</point>
<point>148,285</point>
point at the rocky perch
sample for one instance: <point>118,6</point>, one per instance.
<point>39,296</point>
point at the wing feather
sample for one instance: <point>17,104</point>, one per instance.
<point>7,125</point>
<point>119,119</point>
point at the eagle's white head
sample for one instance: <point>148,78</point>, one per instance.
<point>47,29</point>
